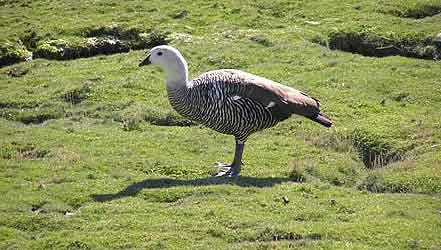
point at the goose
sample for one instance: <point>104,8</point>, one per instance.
<point>231,101</point>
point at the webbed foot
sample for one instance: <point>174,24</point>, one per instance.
<point>228,170</point>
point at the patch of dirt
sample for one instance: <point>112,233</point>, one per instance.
<point>15,150</point>
<point>277,235</point>
<point>30,113</point>
<point>24,112</point>
<point>17,72</point>
<point>373,45</point>
<point>77,95</point>
<point>37,116</point>
<point>62,155</point>
<point>261,40</point>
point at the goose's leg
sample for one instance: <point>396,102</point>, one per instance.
<point>233,169</point>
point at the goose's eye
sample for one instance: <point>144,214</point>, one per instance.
<point>159,53</point>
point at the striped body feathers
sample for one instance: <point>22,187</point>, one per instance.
<point>238,103</point>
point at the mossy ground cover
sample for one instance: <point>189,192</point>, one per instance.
<point>93,157</point>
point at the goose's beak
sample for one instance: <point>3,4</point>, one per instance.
<point>145,61</point>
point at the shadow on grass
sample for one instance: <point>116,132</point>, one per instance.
<point>242,181</point>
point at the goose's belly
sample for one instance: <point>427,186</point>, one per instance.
<point>235,116</point>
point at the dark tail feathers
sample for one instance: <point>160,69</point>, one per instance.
<point>323,119</point>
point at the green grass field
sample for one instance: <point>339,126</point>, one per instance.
<point>93,157</point>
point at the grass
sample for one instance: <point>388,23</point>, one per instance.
<point>93,157</point>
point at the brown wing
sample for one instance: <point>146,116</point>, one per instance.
<point>282,100</point>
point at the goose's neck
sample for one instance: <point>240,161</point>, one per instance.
<point>177,74</point>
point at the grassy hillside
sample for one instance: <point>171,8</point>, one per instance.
<point>92,156</point>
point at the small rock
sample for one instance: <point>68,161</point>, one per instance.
<point>332,63</point>
<point>358,7</point>
<point>332,202</point>
<point>35,209</point>
<point>68,214</point>
<point>312,22</point>
<point>181,14</point>
<point>261,40</point>
<point>285,200</point>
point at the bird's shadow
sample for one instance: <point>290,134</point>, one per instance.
<point>241,181</point>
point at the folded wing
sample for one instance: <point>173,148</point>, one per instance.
<point>281,100</point>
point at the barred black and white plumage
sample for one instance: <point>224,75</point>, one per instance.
<point>214,100</point>
<point>231,101</point>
